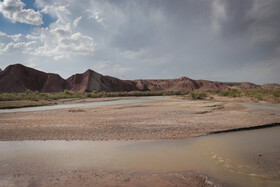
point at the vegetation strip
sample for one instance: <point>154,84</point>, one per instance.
<point>30,98</point>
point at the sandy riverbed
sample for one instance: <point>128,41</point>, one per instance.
<point>163,119</point>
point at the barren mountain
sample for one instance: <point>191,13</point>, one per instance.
<point>242,85</point>
<point>18,78</point>
<point>90,80</point>
<point>181,84</point>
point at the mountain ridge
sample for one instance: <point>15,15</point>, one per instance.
<point>18,78</point>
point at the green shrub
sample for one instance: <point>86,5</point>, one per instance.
<point>28,92</point>
<point>276,92</point>
<point>66,92</point>
<point>76,110</point>
<point>230,93</point>
<point>198,95</point>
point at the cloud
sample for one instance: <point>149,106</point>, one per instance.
<point>219,14</point>
<point>5,37</point>
<point>15,12</point>
<point>19,46</point>
<point>60,41</point>
<point>108,68</point>
<point>134,39</point>
<point>57,11</point>
<point>96,15</point>
<point>76,21</point>
<point>13,43</point>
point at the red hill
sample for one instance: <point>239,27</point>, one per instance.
<point>19,78</point>
<point>90,80</point>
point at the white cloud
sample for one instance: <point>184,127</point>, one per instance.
<point>13,43</point>
<point>4,36</point>
<point>19,46</point>
<point>96,15</point>
<point>57,41</point>
<point>60,41</point>
<point>14,11</point>
<point>57,11</point>
<point>76,21</point>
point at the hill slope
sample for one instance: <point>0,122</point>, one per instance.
<point>90,80</point>
<point>19,78</point>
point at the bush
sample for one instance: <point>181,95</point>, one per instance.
<point>276,93</point>
<point>28,92</point>
<point>230,93</point>
<point>198,95</point>
<point>66,92</point>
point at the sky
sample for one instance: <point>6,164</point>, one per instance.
<point>219,40</point>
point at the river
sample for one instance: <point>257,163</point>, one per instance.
<point>247,158</point>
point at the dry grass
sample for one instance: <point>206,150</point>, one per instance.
<point>21,104</point>
<point>76,110</point>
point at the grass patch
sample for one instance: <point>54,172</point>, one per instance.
<point>76,110</point>
<point>21,104</point>
<point>272,95</point>
<point>264,94</point>
<point>36,96</point>
<point>39,99</point>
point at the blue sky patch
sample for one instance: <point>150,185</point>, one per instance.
<point>16,28</point>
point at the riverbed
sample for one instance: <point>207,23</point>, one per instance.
<point>248,158</point>
<point>148,140</point>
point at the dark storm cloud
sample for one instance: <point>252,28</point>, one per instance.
<point>246,16</point>
<point>200,38</point>
<point>156,22</point>
<point>255,25</point>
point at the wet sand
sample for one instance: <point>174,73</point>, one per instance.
<point>97,177</point>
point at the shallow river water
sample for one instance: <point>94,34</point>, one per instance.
<point>91,104</point>
<point>247,158</point>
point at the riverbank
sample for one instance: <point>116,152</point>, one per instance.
<point>159,119</point>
